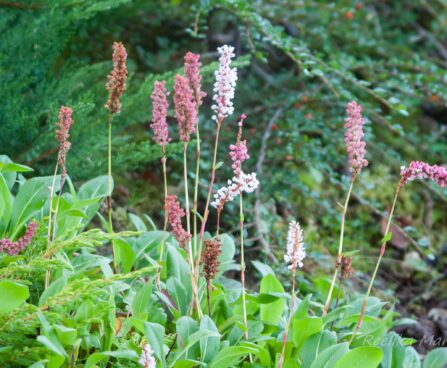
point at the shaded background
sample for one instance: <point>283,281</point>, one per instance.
<point>299,63</point>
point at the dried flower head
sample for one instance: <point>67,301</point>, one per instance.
<point>147,360</point>
<point>62,134</point>
<point>175,214</point>
<point>225,84</point>
<point>355,146</point>
<point>346,267</point>
<point>418,170</point>
<point>210,258</point>
<point>117,78</point>
<point>159,113</point>
<point>12,248</point>
<point>295,246</point>
<point>238,184</point>
<point>192,72</point>
<point>185,108</point>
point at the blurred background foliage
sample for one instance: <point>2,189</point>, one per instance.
<point>299,63</point>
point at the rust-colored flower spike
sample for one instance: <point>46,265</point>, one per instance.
<point>346,267</point>
<point>117,78</point>
<point>210,258</point>
<point>62,134</point>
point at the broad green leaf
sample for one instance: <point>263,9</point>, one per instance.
<point>263,268</point>
<point>329,356</point>
<point>13,295</point>
<point>95,188</point>
<point>231,355</point>
<point>437,358</point>
<point>271,313</point>
<point>412,359</point>
<point>30,201</point>
<point>303,328</point>
<point>315,344</point>
<point>141,300</point>
<point>137,222</point>
<point>66,335</point>
<point>124,255</point>
<point>155,335</point>
<point>362,357</point>
<point>185,327</point>
<point>98,357</point>
<point>209,345</point>
<point>14,168</point>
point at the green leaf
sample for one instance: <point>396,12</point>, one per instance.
<point>5,203</point>
<point>30,201</point>
<point>140,303</point>
<point>95,188</point>
<point>328,357</point>
<point>137,222</point>
<point>315,344</point>
<point>263,268</point>
<point>412,359</point>
<point>209,345</point>
<point>231,355</point>
<point>66,335</point>
<point>271,313</point>
<point>304,327</point>
<point>124,255</point>
<point>13,295</point>
<point>12,167</point>
<point>53,289</point>
<point>155,335</point>
<point>362,357</point>
<point>98,357</point>
<point>437,358</point>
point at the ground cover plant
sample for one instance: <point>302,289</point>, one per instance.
<point>161,297</point>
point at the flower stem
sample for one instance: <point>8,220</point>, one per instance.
<point>241,223</point>
<point>196,190</point>
<point>286,332</point>
<point>340,247</point>
<point>53,186</point>
<point>109,201</point>
<point>208,199</point>
<point>165,225</point>
<point>194,275</point>
<point>382,252</point>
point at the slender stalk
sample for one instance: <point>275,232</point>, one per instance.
<point>340,247</point>
<point>109,180</point>
<point>241,223</point>
<point>194,275</point>
<point>208,199</point>
<point>382,252</point>
<point>53,187</point>
<point>286,333</point>
<point>196,190</point>
<point>165,225</point>
<point>208,292</point>
<point>109,201</point>
<point>56,211</point>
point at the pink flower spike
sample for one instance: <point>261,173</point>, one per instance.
<point>185,108</point>
<point>117,78</point>
<point>62,135</point>
<point>175,214</point>
<point>159,113</point>
<point>192,72</point>
<point>238,154</point>
<point>13,248</point>
<point>355,146</point>
<point>418,170</point>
